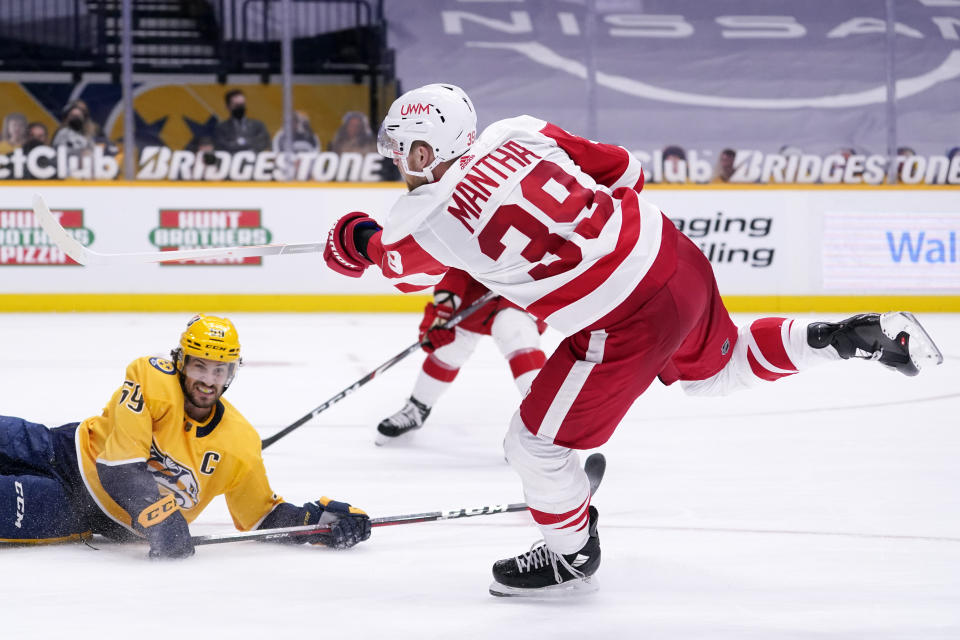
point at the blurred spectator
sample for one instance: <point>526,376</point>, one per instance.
<point>205,144</point>
<point>902,154</point>
<point>845,153</point>
<point>354,135</point>
<point>788,150</point>
<point>37,131</point>
<point>77,130</point>
<point>240,133</point>
<point>14,132</point>
<point>725,166</point>
<point>37,136</point>
<point>674,164</point>
<point>304,139</point>
<point>205,150</point>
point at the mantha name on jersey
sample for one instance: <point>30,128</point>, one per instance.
<point>550,221</point>
<point>144,423</point>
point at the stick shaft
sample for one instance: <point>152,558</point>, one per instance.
<point>595,466</point>
<point>452,322</point>
<point>413,518</point>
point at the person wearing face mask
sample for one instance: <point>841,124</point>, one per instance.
<point>238,132</point>
<point>76,130</point>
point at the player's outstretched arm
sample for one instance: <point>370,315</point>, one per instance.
<point>348,525</point>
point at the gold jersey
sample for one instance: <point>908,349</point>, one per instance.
<point>195,461</point>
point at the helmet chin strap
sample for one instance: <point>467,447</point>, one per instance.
<point>426,172</point>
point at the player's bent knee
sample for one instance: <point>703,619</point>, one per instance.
<point>736,374</point>
<point>514,329</point>
<point>527,453</point>
<point>456,353</point>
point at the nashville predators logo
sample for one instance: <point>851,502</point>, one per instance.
<point>175,477</point>
<point>162,365</point>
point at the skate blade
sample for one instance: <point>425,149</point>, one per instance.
<point>569,589</point>
<point>922,349</point>
<point>392,441</point>
<point>382,440</point>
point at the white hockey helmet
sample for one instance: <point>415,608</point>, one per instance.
<point>441,115</point>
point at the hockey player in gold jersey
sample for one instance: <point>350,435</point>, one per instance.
<point>166,444</point>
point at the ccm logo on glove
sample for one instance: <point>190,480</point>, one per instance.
<point>157,512</point>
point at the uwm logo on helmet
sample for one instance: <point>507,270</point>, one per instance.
<point>203,228</point>
<point>414,109</point>
<point>24,243</point>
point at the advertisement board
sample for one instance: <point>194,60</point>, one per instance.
<point>891,250</point>
<point>788,248</point>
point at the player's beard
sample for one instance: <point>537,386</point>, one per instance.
<point>199,399</point>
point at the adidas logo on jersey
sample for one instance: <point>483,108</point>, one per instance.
<point>464,161</point>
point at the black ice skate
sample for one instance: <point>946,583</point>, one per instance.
<point>410,417</point>
<point>895,339</point>
<point>543,573</point>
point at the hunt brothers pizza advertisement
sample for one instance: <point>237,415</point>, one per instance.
<point>181,229</point>
<point>24,243</point>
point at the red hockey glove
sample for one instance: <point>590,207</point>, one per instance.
<point>435,315</point>
<point>342,253</point>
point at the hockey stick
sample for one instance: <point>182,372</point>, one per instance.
<point>594,467</point>
<point>81,255</point>
<point>452,322</point>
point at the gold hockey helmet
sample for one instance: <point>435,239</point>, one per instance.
<point>208,337</point>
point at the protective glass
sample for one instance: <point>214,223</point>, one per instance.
<point>386,145</point>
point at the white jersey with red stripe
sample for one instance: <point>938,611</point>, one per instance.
<point>548,220</point>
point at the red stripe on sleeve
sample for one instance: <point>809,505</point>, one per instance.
<point>605,163</point>
<point>405,287</point>
<point>402,258</point>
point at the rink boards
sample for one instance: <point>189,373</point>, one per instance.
<point>817,248</point>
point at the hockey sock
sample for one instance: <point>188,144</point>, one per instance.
<point>525,364</point>
<point>767,350</point>
<point>778,347</point>
<point>434,380</point>
<point>555,486</point>
<point>767,341</point>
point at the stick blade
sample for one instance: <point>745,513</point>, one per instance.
<point>57,234</point>
<point>595,466</point>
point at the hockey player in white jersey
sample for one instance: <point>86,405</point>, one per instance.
<point>515,332</point>
<point>555,223</point>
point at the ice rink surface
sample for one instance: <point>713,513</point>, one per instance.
<point>825,506</point>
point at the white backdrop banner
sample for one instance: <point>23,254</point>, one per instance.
<point>761,241</point>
